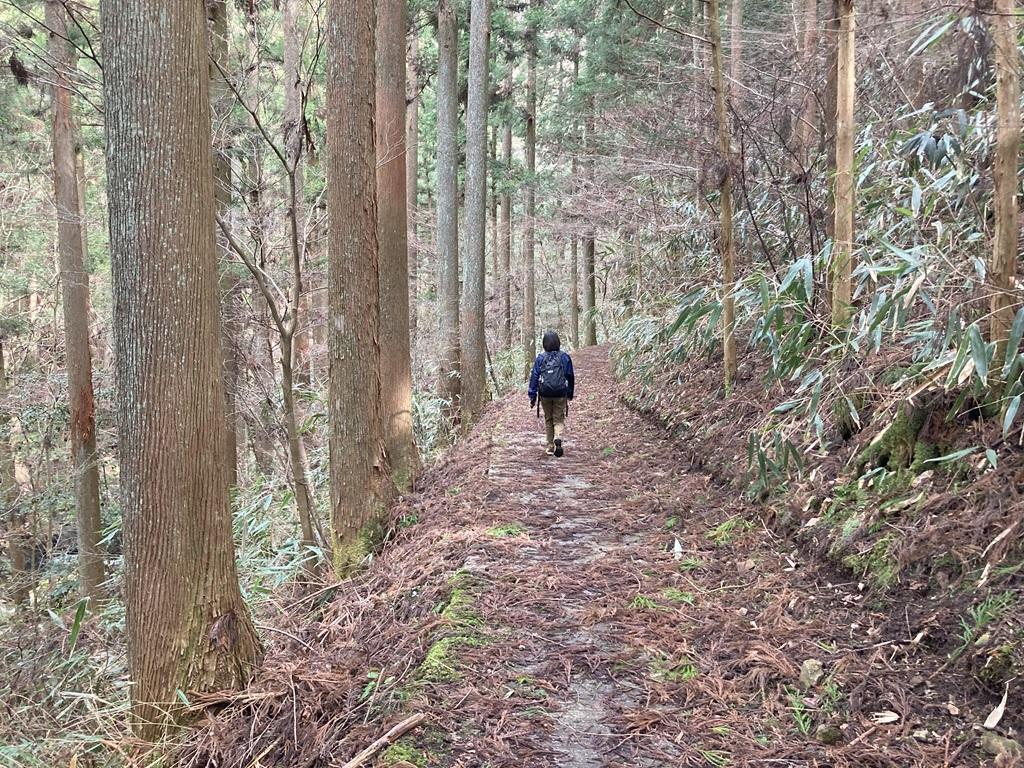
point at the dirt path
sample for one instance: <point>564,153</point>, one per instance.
<point>603,642</point>
<point>610,608</point>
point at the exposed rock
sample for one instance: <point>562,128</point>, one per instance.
<point>810,673</point>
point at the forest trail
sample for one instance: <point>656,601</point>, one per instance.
<point>599,642</point>
<point>541,613</point>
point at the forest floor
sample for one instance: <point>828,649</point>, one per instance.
<point>614,607</point>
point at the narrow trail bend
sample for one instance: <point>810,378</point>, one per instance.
<point>609,608</point>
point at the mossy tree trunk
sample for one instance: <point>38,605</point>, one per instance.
<point>358,487</point>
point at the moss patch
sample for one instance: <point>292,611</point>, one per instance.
<point>507,530</point>
<point>403,751</point>
<point>459,610</point>
<point>349,555</point>
<point>878,564</point>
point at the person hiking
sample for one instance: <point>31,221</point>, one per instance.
<point>554,383</point>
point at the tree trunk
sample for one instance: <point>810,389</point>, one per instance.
<point>13,519</point>
<point>1005,249</point>
<point>505,229</point>
<point>449,364</point>
<point>574,267</point>
<point>829,121</point>
<point>589,246</point>
<point>589,290</point>
<point>294,133</point>
<point>529,231</point>
<point>412,175</point>
<point>735,52</point>
<point>188,628</point>
<point>726,246</point>
<point>75,282</point>
<point>221,103</point>
<point>305,502</point>
<point>493,209</point>
<point>697,12</point>
<point>356,434</point>
<point>807,119</point>
<point>842,255</point>
<point>392,238</point>
<point>474,383</point>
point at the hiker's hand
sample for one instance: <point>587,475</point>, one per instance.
<point>533,402</point>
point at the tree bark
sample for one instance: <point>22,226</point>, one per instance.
<point>221,103</point>
<point>735,52</point>
<point>574,267</point>
<point>589,290</point>
<point>295,222</point>
<point>529,225</point>
<point>1005,300</point>
<point>807,119</point>
<point>412,175</point>
<point>13,519</point>
<point>505,227</point>
<point>449,364</point>
<point>356,433</point>
<point>75,294</point>
<point>589,245</point>
<point>305,502</point>
<point>726,245</point>
<point>474,382</point>
<point>392,237</point>
<point>188,628</point>
<point>845,194</point>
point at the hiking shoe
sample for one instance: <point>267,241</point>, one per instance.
<point>550,451</point>
<point>558,447</point>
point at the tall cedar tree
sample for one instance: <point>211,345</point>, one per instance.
<point>358,485</point>
<point>726,245</point>
<point>590,238</point>
<point>188,629</point>
<point>574,245</point>
<point>1005,248</point>
<point>412,176</point>
<point>14,520</point>
<point>75,284</point>
<point>505,225</point>
<point>449,363</point>
<point>221,103</point>
<point>392,235</point>
<point>529,219</point>
<point>474,383</point>
<point>845,194</point>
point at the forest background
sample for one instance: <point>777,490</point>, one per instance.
<point>636,184</point>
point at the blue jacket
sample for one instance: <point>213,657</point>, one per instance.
<point>570,377</point>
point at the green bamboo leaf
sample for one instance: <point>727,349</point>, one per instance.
<point>1011,414</point>
<point>952,456</point>
<point>958,363</point>
<point>76,626</point>
<point>979,353</point>
<point>1013,343</point>
<point>931,36</point>
<point>993,459</point>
